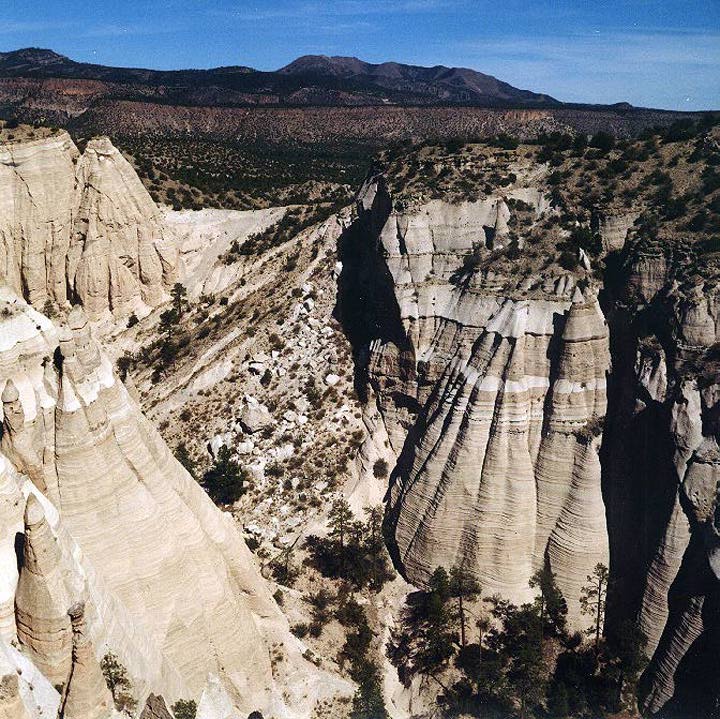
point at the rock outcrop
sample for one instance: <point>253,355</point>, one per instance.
<point>491,398</point>
<point>86,695</point>
<point>155,708</point>
<point>531,420</point>
<point>42,599</point>
<point>81,228</point>
<point>170,586</point>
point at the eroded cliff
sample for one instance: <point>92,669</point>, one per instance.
<point>80,228</point>
<point>544,400</point>
<point>112,519</point>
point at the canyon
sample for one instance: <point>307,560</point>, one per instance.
<point>539,401</point>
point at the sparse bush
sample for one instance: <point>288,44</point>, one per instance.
<point>380,469</point>
<point>118,682</point>
<point>184,709</point>
<point>602,141</point>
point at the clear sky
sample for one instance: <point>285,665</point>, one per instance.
<point>659,53</point>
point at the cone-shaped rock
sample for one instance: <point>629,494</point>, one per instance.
<point>87,695</point>
<point>41,600</point>
<point>155,708</point>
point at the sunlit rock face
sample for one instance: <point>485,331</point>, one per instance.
<point>492,399</point>
<point>81,228</point>
<point>114,521</point>
<point>529,421</point>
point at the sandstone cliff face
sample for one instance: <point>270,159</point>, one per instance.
<point>80,228</point>
<point>115,521</point>
<point>488,394</point>
<point>660,467</point>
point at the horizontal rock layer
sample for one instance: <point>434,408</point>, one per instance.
<point>489,400</point>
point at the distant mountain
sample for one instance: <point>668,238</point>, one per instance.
<point>454,85</point>
<point>309,80</point>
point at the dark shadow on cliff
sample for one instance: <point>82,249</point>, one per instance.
<point>366,306</point>
<point>697,677</point>
<point>639,480</point>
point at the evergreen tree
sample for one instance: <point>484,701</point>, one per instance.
<point>463,587</point>
<point>368,701</point>
<point>425,641</point>
<point>178,293</point>
<point>626,654</point>
<point>340,519</point>
<point>593,599</point>
<point>224,480</point>
<point>553,607</point>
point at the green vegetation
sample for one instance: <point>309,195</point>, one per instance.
<point>196,172</point>
<point>294,221</point>
<point>518,660</point>
<point>592,601</point>
<point>353,551</point>
<point>225,479</point>
<point>183,456</point>
<point>184,709</point>
<point>118,682</point>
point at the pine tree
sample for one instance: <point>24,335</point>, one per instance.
<point>593,599</point>
<point>179,298</point>
<point>553,607</point>
<point>368,701</point>
<point>626,651</point>
<point>224,480</point>
<point>340,518</point>
<point>463,587</point>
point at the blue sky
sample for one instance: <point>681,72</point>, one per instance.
<point>660,53</point>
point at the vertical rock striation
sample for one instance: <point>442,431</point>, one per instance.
<point>81,229</point>
<point>491,397</point>
<point>170,585</point>
<point>42,600</point>
<point>86,695</point>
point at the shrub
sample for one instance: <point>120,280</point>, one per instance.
<point>184,709</point>
<point>118,682</point>
<point>380,469</point>
<point>603,141</point>
<point>300,630</point>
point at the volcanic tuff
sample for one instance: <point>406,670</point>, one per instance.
<point>518,405</point>
<point>81,228</point>
<point>483,396</point>
<point>111,519</point>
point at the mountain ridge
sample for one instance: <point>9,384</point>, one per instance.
<point>309,79</point>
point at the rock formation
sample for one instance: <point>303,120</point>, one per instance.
<point>11,704</point>
<point>42,599</point>
<point>80,228</point>
<point>86,695</point>
<point>490,392</point>
<point>489,401</point>
<point>170,585</point>
<point>155,708</point>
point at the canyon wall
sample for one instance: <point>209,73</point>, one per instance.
<point>488,393</point>
<point>109,518</point>
<point>81,228</point>
<point>488,390</point>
